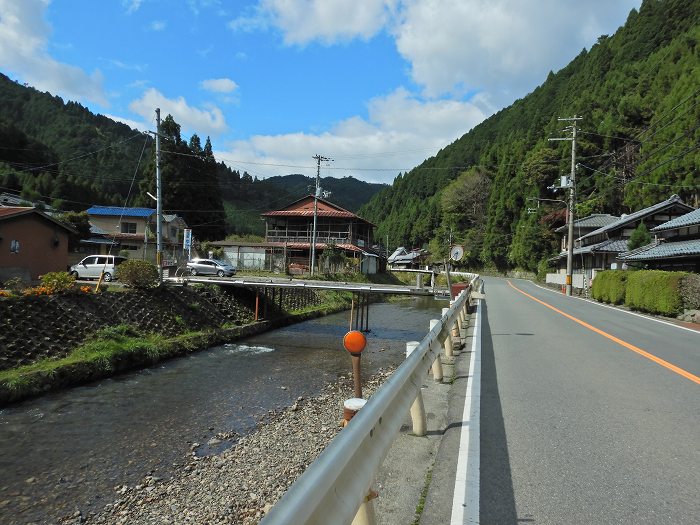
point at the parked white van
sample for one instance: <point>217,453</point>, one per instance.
<point>93,265</point>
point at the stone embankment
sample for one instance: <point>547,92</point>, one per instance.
<point>48,328</point>
<point>242,483</point>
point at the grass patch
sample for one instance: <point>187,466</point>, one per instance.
<point>423,496</point>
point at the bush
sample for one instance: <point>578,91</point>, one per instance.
<point>543,268</point>
<point>655,291</point>
<point>690,291</point>
<point>138,274</point>
<point>58,282</point>
<point>610,286</point>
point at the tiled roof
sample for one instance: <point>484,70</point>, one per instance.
<point>606,246</point>
<point>632,217</point>
<point>10,211</point>
<point>597,220</point>
<point>310,213</point>
<point>689,219</point>
<point>116,211</point>
<point>307,245</point>
<point>664,250</point>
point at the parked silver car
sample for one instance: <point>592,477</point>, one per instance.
<point>93,265</point>
<point>210,267</point>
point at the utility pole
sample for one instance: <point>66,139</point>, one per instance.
<point>159,205</point>
<point>572,200</point>
<point>317,194</point>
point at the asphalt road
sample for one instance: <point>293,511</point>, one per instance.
<point>577,427</point>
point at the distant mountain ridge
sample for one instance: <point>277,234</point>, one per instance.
<point>347,192</point>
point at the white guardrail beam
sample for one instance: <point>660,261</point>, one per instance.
<point>334,486</point>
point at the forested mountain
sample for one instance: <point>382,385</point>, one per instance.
<point>62,154</point>
<point>638,143</point>
<point>346,192</point>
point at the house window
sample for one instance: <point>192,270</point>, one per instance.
<point>14,246</point>
<point>128,227</point>
<point>129,247</point>
<point>173,233</point>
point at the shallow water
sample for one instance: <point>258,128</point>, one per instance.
<point>68,451</point>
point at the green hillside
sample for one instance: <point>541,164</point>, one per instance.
<point>346,192</point>
<point>637,92</point>
<point>62,154</point>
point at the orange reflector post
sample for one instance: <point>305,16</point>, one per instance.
<point>354,342</point>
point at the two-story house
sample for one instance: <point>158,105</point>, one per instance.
<point>676,246</point>
<point>288,238</point>
<point>600,248</point>
<point>134,230</point>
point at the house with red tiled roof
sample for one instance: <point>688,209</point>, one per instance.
<point>289,233</point>
<point>31,243</point>
<point>293,228</point>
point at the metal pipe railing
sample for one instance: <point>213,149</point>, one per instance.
<point>334,486</point>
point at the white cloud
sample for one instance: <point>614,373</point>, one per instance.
<point>140,126</point>
<point>376,149</point>
<point>131,5</point>
<point>209,121</point>
<point>23,51</point>
<point>219,85</point>
<point>329,21</point>
<point>158,25</point>
<point>503,47</point>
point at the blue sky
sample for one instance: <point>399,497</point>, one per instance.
<point>377,85</point>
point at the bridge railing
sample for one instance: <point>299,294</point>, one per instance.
<point>335,486</point>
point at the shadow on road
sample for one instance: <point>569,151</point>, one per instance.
<point>497,502</point>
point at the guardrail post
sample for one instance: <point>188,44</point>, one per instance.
<point>437,364</point>
<point>417,408</point>
<point>365,513</point>
<point>454,332</point>
<point>447,341</point>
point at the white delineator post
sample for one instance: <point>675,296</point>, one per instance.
<point>417,408</point>
<point>437,364</point>
<point>447,341</point>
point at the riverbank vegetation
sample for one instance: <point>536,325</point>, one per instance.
<point>72,337</point>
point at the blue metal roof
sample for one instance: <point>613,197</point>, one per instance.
<point>689,219</point>
<point>115,211</point>
<point>664,250</point>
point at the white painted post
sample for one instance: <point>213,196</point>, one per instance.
<point>418,418</point>
<point>437,364</point>
<point>447,341</point>
<point>365,514</point>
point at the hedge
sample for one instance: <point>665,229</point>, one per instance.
<point>610,286</point>
<point>655,291</point>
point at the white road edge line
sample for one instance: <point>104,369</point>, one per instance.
<point>465,503</point>
<point>648,317</point>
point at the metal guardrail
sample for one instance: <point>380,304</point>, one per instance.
<point>334,486</point>
<point>303,284</point>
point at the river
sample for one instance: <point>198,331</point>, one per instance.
<point>68,451</point>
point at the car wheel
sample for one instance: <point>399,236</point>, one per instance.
<point>107,277</point>
<point>193,271</point>
<point>220,273</point>
<point>75,275</point>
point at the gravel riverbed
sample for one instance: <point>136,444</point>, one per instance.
<point>243,482</point>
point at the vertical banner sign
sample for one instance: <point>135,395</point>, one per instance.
<point>187,241</point>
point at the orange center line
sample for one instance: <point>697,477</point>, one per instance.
<point>619,341</point>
